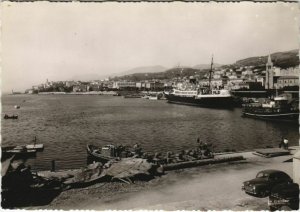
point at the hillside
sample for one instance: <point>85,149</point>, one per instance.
<point>206,66</point>
<point>280,59</point>
<point>144,69</point>
<point>168,74</point>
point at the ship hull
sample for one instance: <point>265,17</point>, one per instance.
<point>211,102</point>
<point>291,116</point>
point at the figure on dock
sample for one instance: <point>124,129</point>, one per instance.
<point>281,143</point>
<point>285,143</point>
<point>137,149</point>
<point>200,144</point>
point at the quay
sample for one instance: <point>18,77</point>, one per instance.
<point>211,187</point>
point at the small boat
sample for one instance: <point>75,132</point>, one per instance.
<point>104,154</point>
<point>108,152</point>
<point>153,97</point>
<point>21,151</point>
<point>10,117</point>
<point>145,97</point>
<point>38,147</point>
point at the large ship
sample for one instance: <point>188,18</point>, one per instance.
<point>204,97</point>
<point>279,108</point>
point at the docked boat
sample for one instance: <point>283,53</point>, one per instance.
<point>10,117</point>
<point>145,97</point>
<point>153,98</point>
<point>204,97</point>
<point>107,152</point>
<point>20,151</point>
<point>279,108</point>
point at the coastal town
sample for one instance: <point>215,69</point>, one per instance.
<point>150,106</point>
<point>235,78</point>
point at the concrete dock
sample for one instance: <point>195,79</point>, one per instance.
<point>211,187</point>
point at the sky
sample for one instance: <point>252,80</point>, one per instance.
<point>57,41</point>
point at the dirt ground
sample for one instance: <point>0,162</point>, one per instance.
<point>212,187</point>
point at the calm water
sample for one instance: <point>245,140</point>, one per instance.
<point>65,124</point>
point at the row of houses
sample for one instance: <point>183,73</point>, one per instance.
<point>241,78</point>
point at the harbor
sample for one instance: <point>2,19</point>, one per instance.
<point>178,106</point>
<point>61,124</point>
<point>170,151</point>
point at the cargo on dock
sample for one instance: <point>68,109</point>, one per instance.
<point>189,164</point>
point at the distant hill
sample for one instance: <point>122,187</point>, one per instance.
<point>280,59</point>
<point>206,66</point>
<point>168,74</point>
<point>86,77</point>
<point>144,69</point>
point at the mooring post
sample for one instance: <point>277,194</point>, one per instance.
<point>53,166</point>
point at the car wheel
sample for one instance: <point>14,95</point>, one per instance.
<point>272,208</point>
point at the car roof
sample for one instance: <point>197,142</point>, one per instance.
<point>271,171</point>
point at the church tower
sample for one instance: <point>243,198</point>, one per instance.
<point>269,74</point>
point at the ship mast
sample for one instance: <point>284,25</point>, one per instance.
<point>210,72</point>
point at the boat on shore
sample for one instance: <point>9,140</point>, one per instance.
<point>279,108</point>
<point>10,116</point>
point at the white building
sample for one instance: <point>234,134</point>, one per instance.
<point>124,84</point>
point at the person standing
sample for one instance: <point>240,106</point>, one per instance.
<point>286,143</point>
<point>281,144</point>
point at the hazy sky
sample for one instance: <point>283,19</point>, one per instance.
<point>61,40</point>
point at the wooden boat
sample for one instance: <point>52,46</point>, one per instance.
<point>24,151</point>
<point>38,147</point>
<point>103,154</point>
<point>108,152</point>
<point>21,151</point>
<point>10,117</point>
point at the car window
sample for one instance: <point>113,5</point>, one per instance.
<point>262,175</point>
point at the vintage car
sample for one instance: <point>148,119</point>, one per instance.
<point>284,195</point>
<point>264,182</point>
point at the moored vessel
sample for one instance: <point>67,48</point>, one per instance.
<point>279,108</point>
<point>204,97</point>
<point>214,98</point>
<point>108,152</point>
